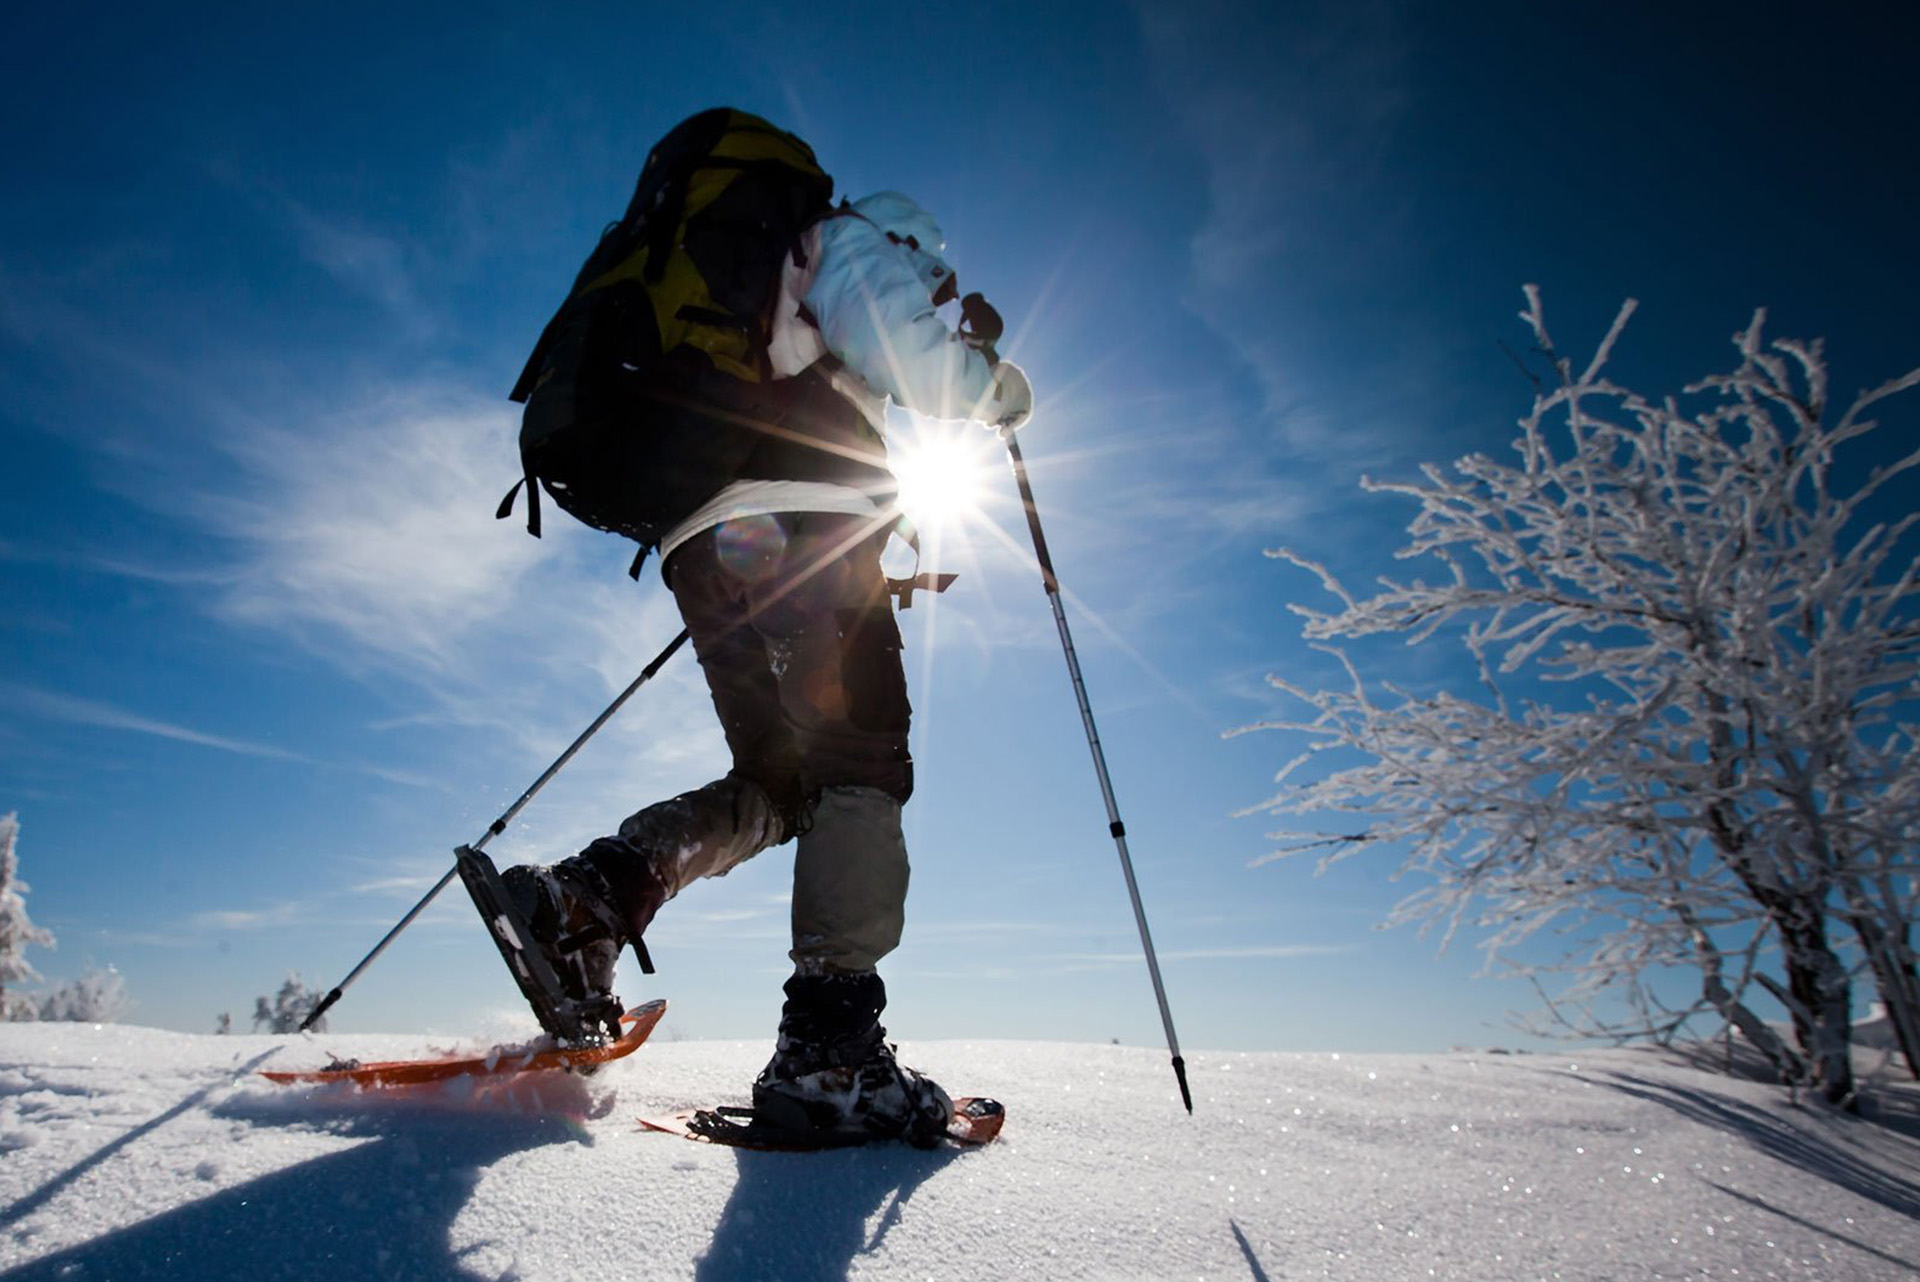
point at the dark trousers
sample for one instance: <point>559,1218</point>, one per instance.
<point>794,629</point>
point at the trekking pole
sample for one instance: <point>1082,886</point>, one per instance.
<point>1115,826</point>
<point>497,827</point>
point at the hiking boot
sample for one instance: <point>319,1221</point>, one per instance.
<point>858,1091</point>
<point>574,924</point>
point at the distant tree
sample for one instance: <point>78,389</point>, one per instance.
<point>288,1009</point>
<point>223,1023</point>
<point>17,931</point>
<point>1700,652</point>
<point>97,997</point>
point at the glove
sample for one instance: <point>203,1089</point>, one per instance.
<point>1011,403</point>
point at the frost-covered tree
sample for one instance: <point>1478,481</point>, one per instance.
<point>1693,741</point>
<point>97,997</point>
<point>17,931</point>
<point>288,1009</point>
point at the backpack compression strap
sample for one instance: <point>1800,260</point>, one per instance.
<point>505,509</point>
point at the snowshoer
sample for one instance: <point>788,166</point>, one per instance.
<point>777,574</point>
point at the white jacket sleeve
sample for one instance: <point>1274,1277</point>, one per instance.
<point>874,314</point>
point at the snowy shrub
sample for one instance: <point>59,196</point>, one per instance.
<point>97,997</point>
<point>288,1009</point>
<point>17,931</point>
<point>1687,736</point>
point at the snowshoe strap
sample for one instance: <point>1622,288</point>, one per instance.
<point>568,1021</point>
<point>746,1128</point>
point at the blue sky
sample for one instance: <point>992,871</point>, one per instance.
<point>265,277</point>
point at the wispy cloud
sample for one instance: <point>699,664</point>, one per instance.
<point>362,260</point>
<point>173,940</point>
<point>375,525</point>
<point>395,886</point>
<point>366,534</point>
<point>726,917</point>
<point>1288,129</point>
<point>269,915</point>
<point>239,919</point>
<point>90,712</point>
<point>679,937</point>
<point>1259,952</point>
<point>76,710</point>
<point>968,931</point>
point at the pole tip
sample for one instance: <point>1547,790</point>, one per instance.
<point>1180,1073</point>
<point>326,1004</point>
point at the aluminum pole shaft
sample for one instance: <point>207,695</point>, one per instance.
<point>497,827</point>
<point>1114,824</point>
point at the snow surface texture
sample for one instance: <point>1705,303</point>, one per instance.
<point>127,1153</point>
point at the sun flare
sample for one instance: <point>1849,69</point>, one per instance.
<point>942,477</point>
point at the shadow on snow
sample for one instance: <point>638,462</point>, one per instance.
<point>1246,1249</point>
<point>804,1217</point>
<point>381,1209</point>
<point>52,1188</point>
<point>1781,1135</point>
<point>386,1207</point>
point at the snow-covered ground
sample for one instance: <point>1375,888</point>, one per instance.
<point>128,1153</point>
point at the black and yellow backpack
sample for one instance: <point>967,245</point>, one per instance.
<point>646,389</point>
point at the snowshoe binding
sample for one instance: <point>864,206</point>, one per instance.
<point>851,1095</point>
<point>560,938</point>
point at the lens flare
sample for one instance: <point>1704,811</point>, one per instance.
<point>751,547</point>
<point>942,477</point>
